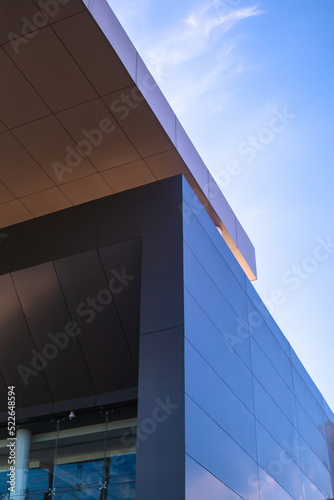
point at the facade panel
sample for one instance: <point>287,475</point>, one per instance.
<point>274,460</point>
<point>266,340</point>
<point>269,378</point>
<point>201,484</point>
<point>216,267</point>
<point>192,208</point>
<point>222,338</point>
<point>218,402</point>
<point>214,304</point>
<point>192,375</point>
<point>271,417</point>
<point>314,469</point>
<point>216,350</point>
<point>216,451</point>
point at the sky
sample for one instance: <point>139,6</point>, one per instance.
<point>252,84</point>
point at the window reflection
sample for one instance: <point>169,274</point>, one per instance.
<point>90,456</point>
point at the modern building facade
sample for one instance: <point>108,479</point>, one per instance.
<point>143,363</point>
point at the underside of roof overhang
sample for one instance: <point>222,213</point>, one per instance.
<point>81,118</point>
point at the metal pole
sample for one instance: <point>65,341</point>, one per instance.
<point>23,441</point>
<point>52,492</point>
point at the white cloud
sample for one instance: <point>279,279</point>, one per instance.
<point>190,38</point>
<point>213,15</point>
<point>195,59</point>
<point>201,38</point>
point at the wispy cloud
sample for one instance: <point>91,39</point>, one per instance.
<point>195,58</point>
<point>191,40</point>
<point>212,15</point>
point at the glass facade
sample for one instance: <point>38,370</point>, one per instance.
<point>257,427</point>
<point>91,456</point>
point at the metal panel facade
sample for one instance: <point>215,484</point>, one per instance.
<point>277,446</point>
<point>225,408</point>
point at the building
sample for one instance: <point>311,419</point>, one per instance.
<point>143,363</point>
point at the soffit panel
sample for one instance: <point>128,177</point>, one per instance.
<point>46,296</point>
<point>54,149</point>
<point>170,163</point>
<point>126,256</point>
<point>46,312</point>
<point>86,189</point>
<point>5,194</point>
<point>13,212</point>
<point>3,127</point>
<point>114,32</point>
<point>15,332</point>
<point>159,104</point>
<point>20,18</point>
<point>128,176</point>
<point>19,103</point>
<point>11,23</point>
<point>166,164</point>
<point>138,122</point>
<point>50,69</point>
<point>18,170</point>
<point>68,63</point>
<point>102,333</point>
<point>93,53</point>
<point>46,202</point>
<point>106,146</point>
<point>62,9</point>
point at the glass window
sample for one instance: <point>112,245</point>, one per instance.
<point>207,389</point>
<point>218,453</point>
<point>216,350</point>
<point>308,402</point>
<point>203,289</point>
<point>275,422</point>
<point>269,344</point>
<point>215,265</point>
<point>314,469</point>
<point>275,461</point>
<point>273,383</point>
<point>90,455</point>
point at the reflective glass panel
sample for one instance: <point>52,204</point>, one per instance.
<point>314,469</point>
<point>215,305</point>
<point>275,461</point>
<point>213,449</point>
<point>216,350</point>
<point>207,389</point>
<point>267,375</point>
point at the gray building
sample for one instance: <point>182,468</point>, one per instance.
<point>141,361</point>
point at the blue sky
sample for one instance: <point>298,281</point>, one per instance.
<point>252,83</point>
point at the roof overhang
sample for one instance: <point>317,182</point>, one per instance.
<point>81,117</point>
